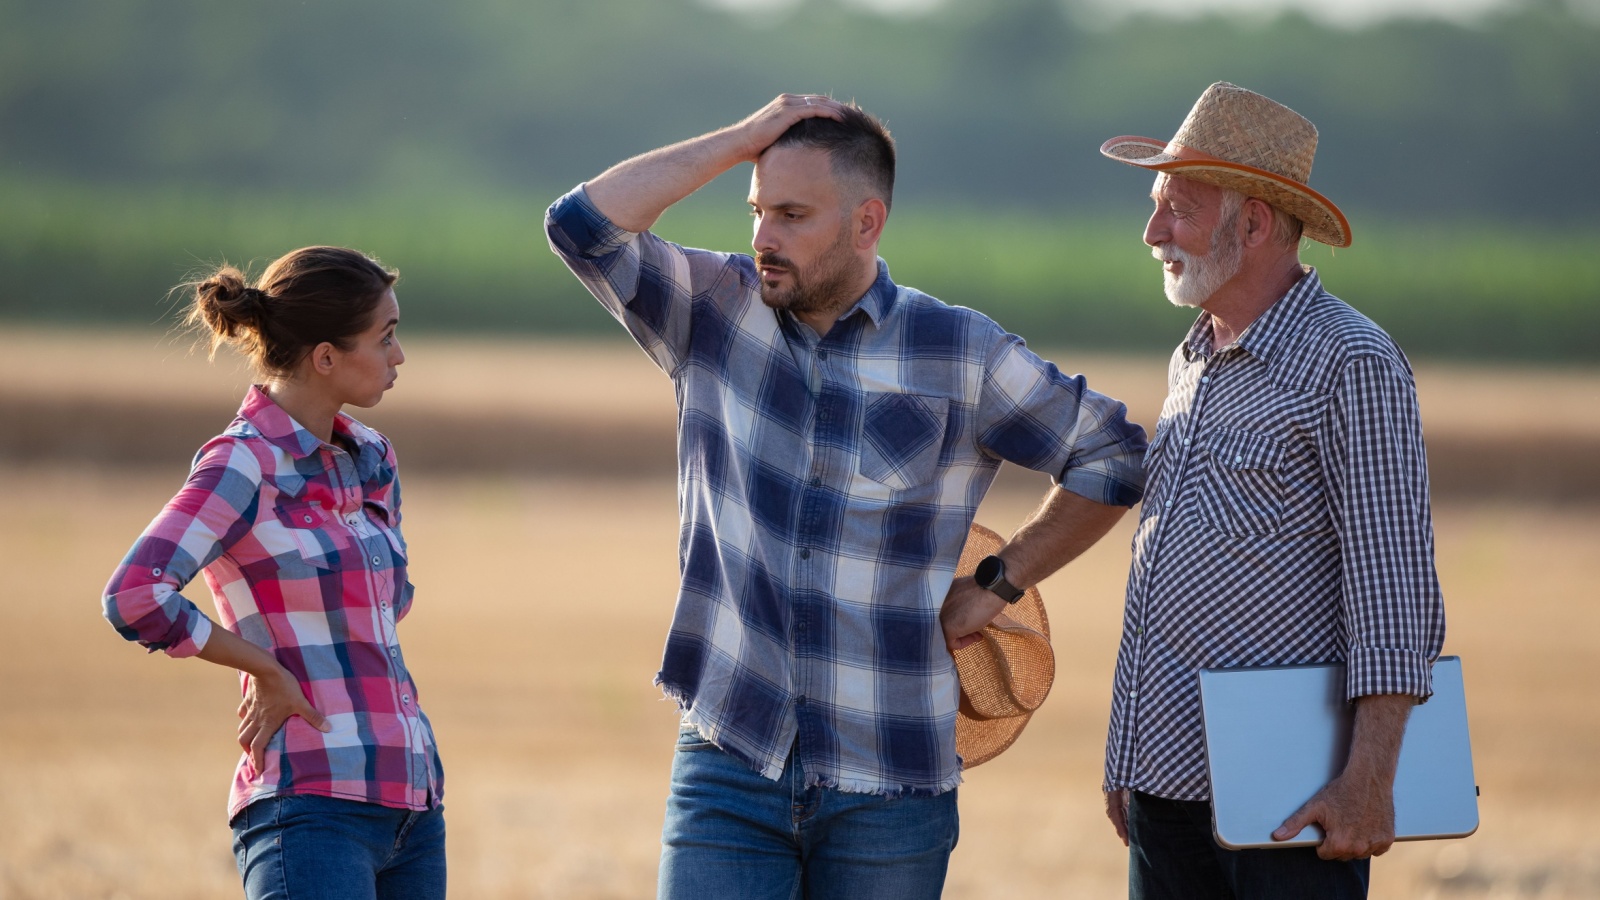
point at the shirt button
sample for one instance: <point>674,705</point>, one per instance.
<point>822,355</point>
<point>1132,694</point>
<point>383,604</point>
<point>816,482</point>
<point>1186,442</point>
<point>1169,504</point>
<point>1238,459</point>
<point>156,571</point>
<point>308,520</point>
<point>805,554</point>
<point>405,698</point>
<point>376,560</point>
<point>394,652</point>
<point>1204,379</point>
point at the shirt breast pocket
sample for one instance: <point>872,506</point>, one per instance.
<point>1242,486</point>
<point>298,531</point>
<point>901,438</point>
<point>383,518</point>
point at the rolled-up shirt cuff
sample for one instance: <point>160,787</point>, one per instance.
<point>1381,670</point>
<point>587,231</point>
<point>1099,487</point>
<point>196,633</point>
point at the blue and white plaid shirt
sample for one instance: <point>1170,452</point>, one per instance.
<point>1286,521</point>
<point>826,486</point>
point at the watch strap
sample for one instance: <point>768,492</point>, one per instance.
<point>997,583</point>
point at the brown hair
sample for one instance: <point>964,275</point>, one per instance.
<point>858,145</point>
<point>311,295</point>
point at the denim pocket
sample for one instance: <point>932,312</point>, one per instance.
<point>1242,486</point>
<point>690,738</point>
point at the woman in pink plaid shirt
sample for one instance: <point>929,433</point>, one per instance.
<point>292,515</point>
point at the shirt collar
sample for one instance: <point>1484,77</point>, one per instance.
<point>280,429</point>
<point>1269,329</point>
<point>879,299</point>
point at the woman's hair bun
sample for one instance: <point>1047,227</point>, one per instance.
<point>226,304</point>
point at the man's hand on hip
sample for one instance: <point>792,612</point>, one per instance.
<point>967,608</point>
<point>1063,526</point>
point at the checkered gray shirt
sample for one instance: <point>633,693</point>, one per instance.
<point>826,486</point>
<point>1285,520</point>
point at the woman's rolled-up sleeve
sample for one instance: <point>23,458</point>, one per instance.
<point>212,512</point>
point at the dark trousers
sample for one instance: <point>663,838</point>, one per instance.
<point>1171,854</point>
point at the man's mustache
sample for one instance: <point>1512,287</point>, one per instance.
<point>1168,253</point>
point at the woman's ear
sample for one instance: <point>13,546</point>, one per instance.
<point>323,358</point>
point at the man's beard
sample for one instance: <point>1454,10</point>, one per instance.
<point>820,287</point>
<point>1203,275</point>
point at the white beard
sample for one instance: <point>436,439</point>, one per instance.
<point>1203,275</point>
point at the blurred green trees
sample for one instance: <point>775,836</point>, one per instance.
<point>141,137</point>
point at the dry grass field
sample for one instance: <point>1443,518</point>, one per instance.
<point>116,764</point>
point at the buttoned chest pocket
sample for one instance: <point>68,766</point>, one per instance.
<point>383,521</point>
<point>901,438</point>
<point>397,586</point>
<point>299,530</point>
<point>1242,487</point>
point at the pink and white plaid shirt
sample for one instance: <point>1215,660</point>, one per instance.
<point>299,541</point>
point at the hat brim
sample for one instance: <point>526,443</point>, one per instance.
<point>1322,220</point>
<point>1018,640</point>
<point>980,740</point>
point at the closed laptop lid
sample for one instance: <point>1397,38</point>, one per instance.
<point>1276,734</point>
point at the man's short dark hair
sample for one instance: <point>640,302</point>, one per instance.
<point>859,147</point>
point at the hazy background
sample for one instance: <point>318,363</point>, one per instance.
<point>142,139</point>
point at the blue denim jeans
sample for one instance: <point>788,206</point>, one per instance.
<point>731,834</point>
<point>303,846</point>
<point>1172,854</point>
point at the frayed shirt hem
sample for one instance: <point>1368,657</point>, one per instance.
<point>772,770</point>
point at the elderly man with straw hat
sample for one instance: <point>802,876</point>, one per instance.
<point>1285,519</point>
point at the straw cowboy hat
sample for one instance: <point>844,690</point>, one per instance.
<point>1238,139</point>
<point>1005,675</point>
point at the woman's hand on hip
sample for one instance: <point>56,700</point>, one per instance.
<point>268,702</point>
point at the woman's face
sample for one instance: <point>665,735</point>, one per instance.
<point>363,372</point>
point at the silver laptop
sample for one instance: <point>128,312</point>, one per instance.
<point>1276,734</point>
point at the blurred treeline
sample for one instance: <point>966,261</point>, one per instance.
<point>142,138</point>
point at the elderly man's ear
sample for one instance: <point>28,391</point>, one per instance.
<point>1256,223</point>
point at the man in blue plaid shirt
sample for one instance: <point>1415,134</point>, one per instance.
<point>836,434</point>
<point>1286,520</point>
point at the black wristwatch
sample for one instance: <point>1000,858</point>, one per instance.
<point>991,576</point>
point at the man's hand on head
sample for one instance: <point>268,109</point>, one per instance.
<point>635,192</point>
<point>761,128</point>
<point>967,608</point>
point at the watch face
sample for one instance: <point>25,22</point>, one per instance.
<point>990,570</point>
